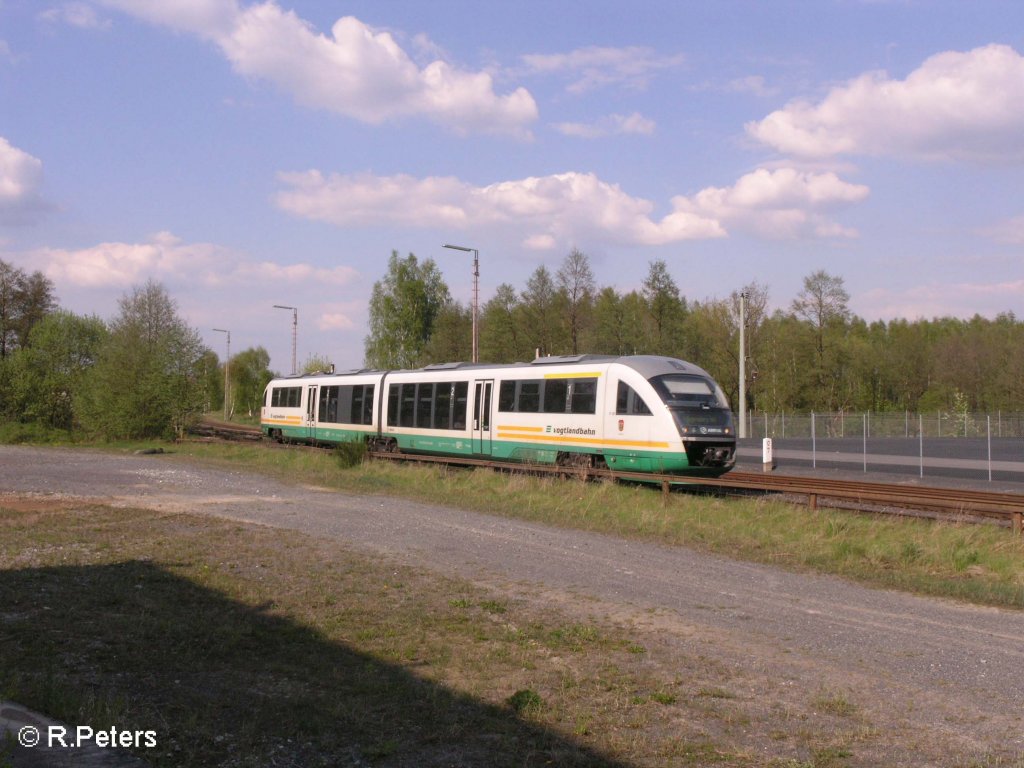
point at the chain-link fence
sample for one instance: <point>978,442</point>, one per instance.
<point>904,424</point>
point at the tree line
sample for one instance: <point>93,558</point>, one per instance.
<point>814,355</point>
<point>145,373</point>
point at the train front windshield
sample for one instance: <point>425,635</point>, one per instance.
<point>698,405</point>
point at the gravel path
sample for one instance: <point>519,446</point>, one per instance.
<point>953,673</point>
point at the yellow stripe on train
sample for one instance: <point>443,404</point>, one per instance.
<point>587,440</point>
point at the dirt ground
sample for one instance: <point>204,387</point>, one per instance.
<point>909,681</point>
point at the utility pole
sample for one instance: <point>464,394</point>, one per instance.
<point>227,365</point>
<point>476,296</point>
<point>295,331</point>
<point>743,366</point>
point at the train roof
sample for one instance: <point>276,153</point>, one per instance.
<point>647,366</point>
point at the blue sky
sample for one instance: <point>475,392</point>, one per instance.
<point>250,154</point>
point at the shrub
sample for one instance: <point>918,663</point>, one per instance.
<point>351,454</point>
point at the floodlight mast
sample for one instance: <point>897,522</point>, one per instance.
<point>743,366</point>
<point>476,296</point>
<point>295,330</point>
<point>227,365</point>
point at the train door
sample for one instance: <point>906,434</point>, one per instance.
<point>311,402</point>
<point>482,417</point>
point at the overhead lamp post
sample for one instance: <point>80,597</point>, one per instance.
<point>295,330</point>
<point>476,296</point>
<point>743,366</point>
<point>227,365</point>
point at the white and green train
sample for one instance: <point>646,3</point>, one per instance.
<point>639,414</point>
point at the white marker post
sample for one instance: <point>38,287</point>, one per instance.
<point>767,455</point>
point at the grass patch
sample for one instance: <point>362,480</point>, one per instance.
<point>836,704</point>
<point>977,563</point>
<point>664,697</point>
<point>15,433</point>
<point>526,702</point>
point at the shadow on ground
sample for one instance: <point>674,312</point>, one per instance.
<point>135,646</point>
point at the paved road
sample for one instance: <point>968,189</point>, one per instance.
<point>969,459</point>
<point>955,671</point>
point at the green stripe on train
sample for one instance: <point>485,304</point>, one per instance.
<point>502,450</point>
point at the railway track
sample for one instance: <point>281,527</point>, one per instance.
<point>1004,507</point>
<point>224,431</point>
<point>967,505</point>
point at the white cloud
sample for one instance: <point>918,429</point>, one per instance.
<point>335,321</point>
<point>545,212</point>
<point>1010,231</point>
<point>21,176</point>
<point>209,19</point>
<point>124,264</point>
<point>596,67</point>
<point>612,125</point>
<point>541,211</point>
<point>754,84</point>
<point>955,107</point>
<point>783,203</point>
<point>271,273</point>
<point>356,71</point>
<point>540,243</point>
<point>167,259</point>
<point>938,300</point>
<point>76,14</point>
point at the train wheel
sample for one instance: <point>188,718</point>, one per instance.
<point>576,464</point>
<point>576,460</point>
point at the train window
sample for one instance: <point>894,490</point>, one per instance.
<point>286,397</point>
<point>394,392</point>
<point>629,403</point>
<point>692,391</point>
<point>583,396</point>
<point>556,392</point>
<point>362,404</point>
<point>484,411</point>
<point>355,408</point>
<point>507,397</point>
<point>443,405</point>
<point>407,406</point>
<point>461,405</point>
<point>328,410</point>
<point>424,405</point>
<point>346,405</point>
<point>529,397</point>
